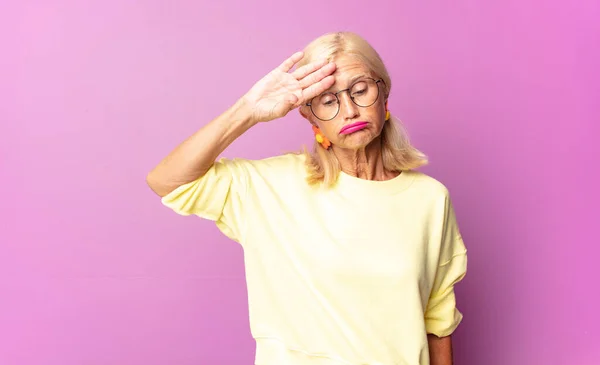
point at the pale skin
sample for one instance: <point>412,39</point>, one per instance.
<point>359,153</point>
<point>273,97</point>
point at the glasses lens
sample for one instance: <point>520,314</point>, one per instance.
<point>325,106</point>
<point>364,93</point>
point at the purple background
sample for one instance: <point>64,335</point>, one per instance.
<point>502,96</point>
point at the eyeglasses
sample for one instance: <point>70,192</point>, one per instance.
<point>363,93</point>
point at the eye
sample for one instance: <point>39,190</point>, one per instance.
<point>360,88</point>
<point>327,100</point>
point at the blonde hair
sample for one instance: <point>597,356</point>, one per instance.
<point>397,152</point>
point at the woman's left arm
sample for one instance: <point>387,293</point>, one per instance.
<point>440,350</point>
<point>442,316</point>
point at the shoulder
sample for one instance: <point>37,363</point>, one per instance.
<point>435,195</point>
<point>430,189</point>
<point>429,184</point>
<point>285,161</point>
<point>289,164</point>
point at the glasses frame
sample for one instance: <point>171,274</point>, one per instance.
<point>309,104</point>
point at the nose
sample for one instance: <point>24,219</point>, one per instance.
<point>349,110</point>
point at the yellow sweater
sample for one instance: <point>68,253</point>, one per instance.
<point>352,275</point>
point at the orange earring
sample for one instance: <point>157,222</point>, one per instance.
<point>387,112</point>
<point>321,138</point>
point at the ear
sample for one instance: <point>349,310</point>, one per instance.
<point>302,112</point>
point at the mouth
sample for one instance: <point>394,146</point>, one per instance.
<point>354,127</point>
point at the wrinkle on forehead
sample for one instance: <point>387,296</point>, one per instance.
<point>347,71</point>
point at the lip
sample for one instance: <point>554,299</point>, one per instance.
<point>351,128</point>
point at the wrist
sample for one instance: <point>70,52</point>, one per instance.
<point>241,113</point>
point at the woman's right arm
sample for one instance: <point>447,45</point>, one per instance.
<point>194,156</point>
<point>270,98</point>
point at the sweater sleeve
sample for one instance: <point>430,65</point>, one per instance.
<point>442,316</point>
<point>218,196</point>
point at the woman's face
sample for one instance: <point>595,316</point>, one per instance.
<point>367,122</point>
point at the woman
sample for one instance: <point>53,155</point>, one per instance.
<point>351,255</point>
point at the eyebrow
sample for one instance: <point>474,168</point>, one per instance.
<point>350,82</point>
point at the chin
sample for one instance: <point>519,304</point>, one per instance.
<point>357,142</point>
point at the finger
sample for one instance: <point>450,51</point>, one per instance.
<point>318,88</point>
<point>290,62</point>
<point>305,70</point>
<point>318,75</point>
<point>292,99</point>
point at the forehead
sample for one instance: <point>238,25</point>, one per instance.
<point>347,70</point>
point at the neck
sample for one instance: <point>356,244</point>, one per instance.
<point>365,163</point>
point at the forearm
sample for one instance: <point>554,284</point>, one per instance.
<point>194,156</point>
<point>440,350</point>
